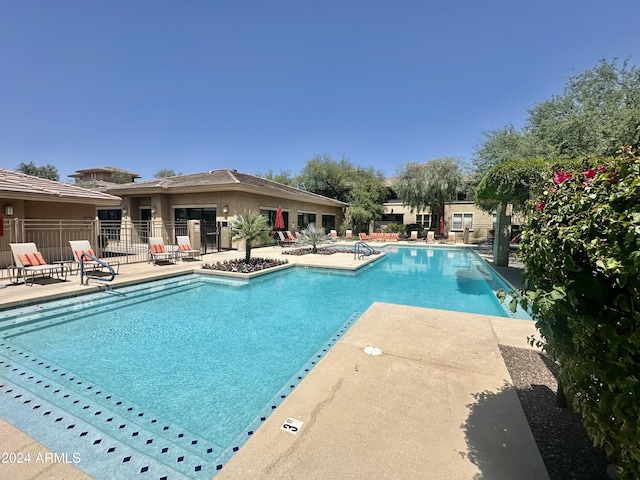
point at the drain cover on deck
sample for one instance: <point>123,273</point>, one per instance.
<point>372,351</point>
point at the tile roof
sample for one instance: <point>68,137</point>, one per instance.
<point>80,173</point>
<point>19,185</point>
<point>218,180</point>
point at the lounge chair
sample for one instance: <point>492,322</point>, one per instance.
<point>90,261</point>
<point>29,262</point>
<point>451,238</point>
<point>431,237</point>
<point>364,236</point>
<point>334,235</point>
<point>284,240</point>
<point>158,252</point>
<point>414,236</point>
<point>349,234</point>
<point>291,236</point>
<point>185,250</point>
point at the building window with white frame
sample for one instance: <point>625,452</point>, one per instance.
<point>461,220</point>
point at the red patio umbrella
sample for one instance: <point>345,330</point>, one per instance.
<point>441,226</point>
<point>279,220</point>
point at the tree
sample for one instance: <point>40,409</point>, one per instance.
<point>512,182</point>
<point>48,171</point>
<point>88,184</point>
<point>598,111</point>
<point>325,176</point>
<point>430,184</point>
<point>251,227</point>
<point>283,177</point>
<point>121,177</point>
<point>503,145</point>
<point>362,188</point>
<point>515,182</point>
<point>164,173</point>
<point>366,197</point>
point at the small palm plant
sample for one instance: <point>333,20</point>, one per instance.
<point>313,236</point>
<point>251,227</point>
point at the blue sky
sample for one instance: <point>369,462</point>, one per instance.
<point>261,85</point>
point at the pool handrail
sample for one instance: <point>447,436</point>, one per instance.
<point>102,263</point>
<point>362,249</point>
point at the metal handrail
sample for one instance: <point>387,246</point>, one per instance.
<point>97,260</point>
<point>358,254</point>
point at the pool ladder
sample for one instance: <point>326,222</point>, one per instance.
<point>98,261</point>
<point>361,249</point>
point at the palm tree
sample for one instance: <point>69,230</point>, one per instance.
<point>313,236</point>
<point>251,227</point>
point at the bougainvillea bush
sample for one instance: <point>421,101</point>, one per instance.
<point>581,250</point>
<point>241,265</point>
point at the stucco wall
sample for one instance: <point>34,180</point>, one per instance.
<point>54,210</point>
<point>41,210</point>
<point>238,203</point>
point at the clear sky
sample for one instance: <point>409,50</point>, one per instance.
<point>258,85</point>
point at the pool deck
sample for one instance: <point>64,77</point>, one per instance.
<point>437,403</point>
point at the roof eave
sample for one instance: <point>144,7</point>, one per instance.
<point>236,187</point>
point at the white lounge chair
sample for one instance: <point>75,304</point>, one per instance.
<point>431,237</point>
<point>29,263</point>
<point>284,241</point>
<point>90,260</point>
<point>185,250</point>
<point>414,236</point>
<point>159,253</point>
<point>451,238</point>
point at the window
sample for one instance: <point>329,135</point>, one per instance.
<point>461,220</point>
<point>328,222</point>
<point>203,214</point>
<point>304,219</point>
<point>110,214</point>
<point>270,215</point>
<point>427,221</point>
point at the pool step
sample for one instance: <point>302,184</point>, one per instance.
<point>120,424</point>
<point>44,315</point>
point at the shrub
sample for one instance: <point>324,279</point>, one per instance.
<point>581,250</point>
<point>393,228</point>
<point>241,265</point>
<point>322,251</point>
<point>414,226</point>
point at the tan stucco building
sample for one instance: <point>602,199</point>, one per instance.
<point>217,196</point>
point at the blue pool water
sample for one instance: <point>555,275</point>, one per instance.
<point>211,358</point>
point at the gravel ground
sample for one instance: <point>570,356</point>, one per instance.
<point>565,448</point>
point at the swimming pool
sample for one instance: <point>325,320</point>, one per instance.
<point>175,375</point>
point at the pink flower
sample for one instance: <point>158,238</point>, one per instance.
<point>589,173</point>
<point>540,206</point>
<point>601,169</point>
<point>561,176</point>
